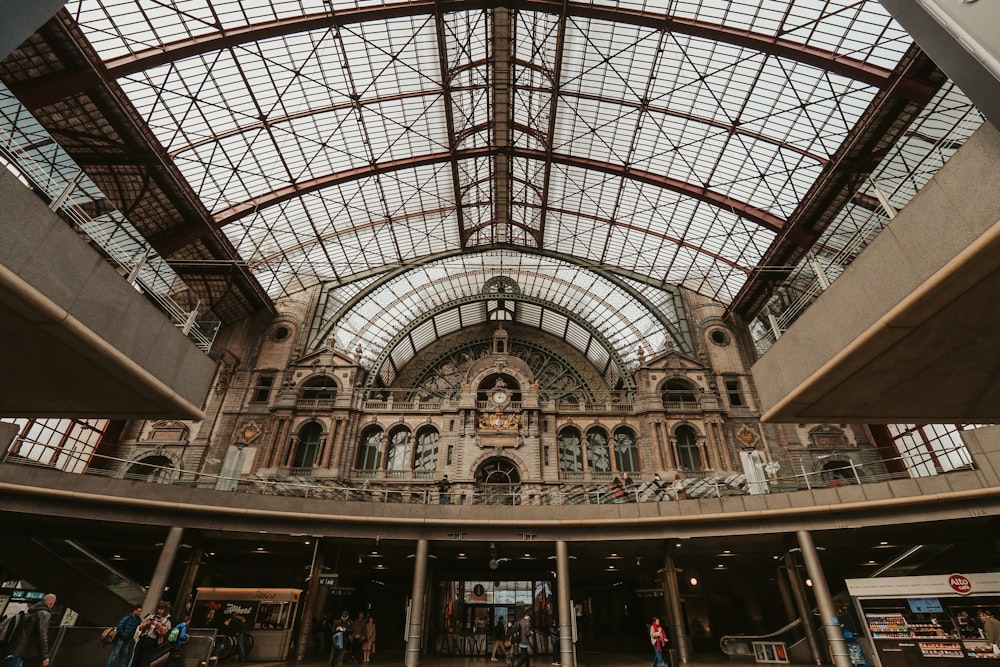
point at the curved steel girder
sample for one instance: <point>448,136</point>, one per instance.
<point>821,58</point>
<point>735,206</point>
<point>604,271</point>
<point>482,127</point>
<point>613,354</point>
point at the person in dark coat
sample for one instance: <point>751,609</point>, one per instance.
<point>35,626</point>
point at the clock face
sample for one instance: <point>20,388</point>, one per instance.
<point>499,396</point>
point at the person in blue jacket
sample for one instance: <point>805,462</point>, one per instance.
<point>121,649</point>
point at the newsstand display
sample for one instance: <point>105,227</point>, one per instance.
<point>932,620</point>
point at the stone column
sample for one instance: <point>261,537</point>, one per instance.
<point>415,628</point>
<point>312,594</point>
<point>187,583</point>
<point>162,572</point>
<point>566,655</point>
<point>834,634</point>
<point>781,578</point>
<point>802,604</point>
<point>338,451</point>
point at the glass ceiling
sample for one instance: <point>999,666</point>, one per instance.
<point>669,141</point>
<point>605,320</point>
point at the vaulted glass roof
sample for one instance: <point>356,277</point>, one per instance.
<point>671,141</point>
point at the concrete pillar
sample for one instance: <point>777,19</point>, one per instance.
<point>566,655</point>
<point>162,572</point>
<point>187,583</point>
<point>312,595</point>
<point>787,602</point>
<point>22,18</point>
<point>414,630</point>
<point>834,634</point>
<point>802,604</point>
<point>672,591</point>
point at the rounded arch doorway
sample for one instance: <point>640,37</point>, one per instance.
<point>498,482</point>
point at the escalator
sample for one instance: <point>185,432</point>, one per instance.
<point>793,636</point>
<point>81,580</point>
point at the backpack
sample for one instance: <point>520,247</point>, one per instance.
<point>177,634</point>
<point>9,627</point>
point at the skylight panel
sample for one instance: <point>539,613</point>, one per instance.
<point>447,322</point>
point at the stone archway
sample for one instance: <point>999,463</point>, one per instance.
<point>498,481</point>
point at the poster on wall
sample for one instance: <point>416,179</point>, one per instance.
<point>770,652</point>
<point>227,616</point>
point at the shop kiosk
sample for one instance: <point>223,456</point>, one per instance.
<point>267,613</point>
<point>927,621</point>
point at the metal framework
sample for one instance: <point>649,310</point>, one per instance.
<point>285,144</point>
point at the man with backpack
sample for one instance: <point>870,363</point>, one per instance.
<point>34,625</point>
<point>123,640</point>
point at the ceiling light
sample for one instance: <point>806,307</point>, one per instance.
<point>809,583</point>
<point>693,581</point>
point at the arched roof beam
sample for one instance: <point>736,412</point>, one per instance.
<point>605,272</point>
<point>46,90</point>
<point>232,37</point>
<point>744,210</point>
<point>385,355</point>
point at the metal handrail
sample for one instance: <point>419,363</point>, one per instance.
<point>422,490</point>
<point>63,182</point>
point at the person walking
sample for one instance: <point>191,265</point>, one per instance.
<point>121,648</point>
<point>499,633</point>
<point>236,627</point>
<point>368,639</point>
<point>340,639</point>
<point>510,643</point>
<point>658,638</point>
<point>554,641</point>
<point>444,491</point>
<point>357,636</point>
<point>151,633</point>
<point>524,633</point>
<point>34,626</point>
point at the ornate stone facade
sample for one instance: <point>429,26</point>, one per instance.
<point>496,403</point>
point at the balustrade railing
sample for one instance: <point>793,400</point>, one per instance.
<point>419,486</point>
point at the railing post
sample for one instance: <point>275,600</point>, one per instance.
<point>854,469</point>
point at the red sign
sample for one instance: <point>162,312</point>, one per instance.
<point>960,584</point>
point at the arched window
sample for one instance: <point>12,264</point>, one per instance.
<point>626,453</point>
<point>158,469</point>
<point>679,394</point>
<point>688,454</point>
<point>598,455</point>
<point>307,449</point>
<point>370,449</point>
<point>320,388</point>
<point>427,449</point>
<point>499,481</point>
<point>400,448</point>
<point>570,451</point>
